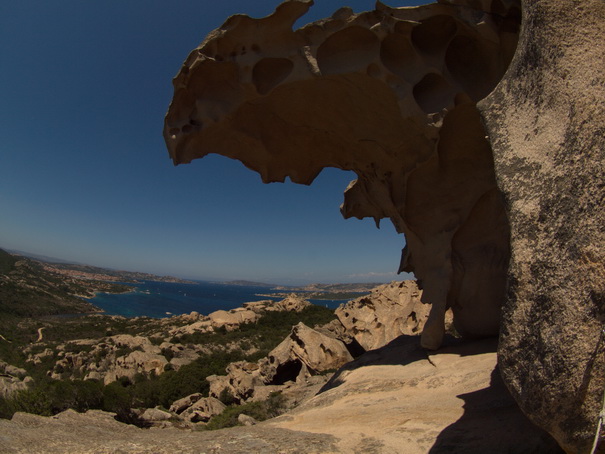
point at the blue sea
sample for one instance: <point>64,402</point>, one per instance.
<point>164,299</point>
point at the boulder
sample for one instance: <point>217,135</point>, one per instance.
<point>241,380</point>
<point>203,409</point>
<point>155,414</point>
<point>292,303</point>
<point>10,385</point>
<point>200,326</point>
<point>11,370</point>
<point>304,350</point>
<point>257,306</point>
<point>180,405</point>
<point>246,420</point>
<point>388,312</point>
<point>231,320</point>
<point>134,363</point>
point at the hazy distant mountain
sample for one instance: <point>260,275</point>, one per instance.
<point>42,258</point>
<point>248,283</point>
<point>95,272</point>
<point>356,288</point>
<point>28,288</point>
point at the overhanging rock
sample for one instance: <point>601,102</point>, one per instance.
<point>389,94</point>
<point>392,95</point>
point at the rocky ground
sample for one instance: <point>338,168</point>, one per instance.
<point>391,400</point>
<point>394,397</point>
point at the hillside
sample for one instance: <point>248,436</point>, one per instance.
<point>28,289</point>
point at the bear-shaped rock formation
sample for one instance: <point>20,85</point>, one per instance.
<point>488,159</point>
<point>389,94</point>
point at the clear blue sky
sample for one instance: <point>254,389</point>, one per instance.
<point>85,175</point>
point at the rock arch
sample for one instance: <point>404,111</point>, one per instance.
<point>383,94</point>
<point>494,176</point>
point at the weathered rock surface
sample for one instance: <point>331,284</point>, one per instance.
<point>97,432</point>
<point>389,94</point>
<point>390,402</point>
<point>304,353</point>
<point>292,303</point>
<point>546,122</point>
<point>203,409</point>
<point>13,379</point>
<point>232,319</point>
<point>388,312</point>
<point>381,403</point>
<point>306,347</point>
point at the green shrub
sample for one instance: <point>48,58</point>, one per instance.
<point>270,408</point>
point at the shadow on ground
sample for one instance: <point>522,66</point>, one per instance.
<point>491,422</point>
<point>485,410</point>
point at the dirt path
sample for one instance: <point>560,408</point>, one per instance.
<point>40,334</point>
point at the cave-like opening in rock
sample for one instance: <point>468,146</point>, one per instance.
<point>286,372</point>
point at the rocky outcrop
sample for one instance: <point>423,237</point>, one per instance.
<point>304,353</point>
<point>137,362</point>
<point>304,347</point>
<point>197,408</point>
<point>13,379</point>
<point>388,312</point>
<point>389,94</point>
<point>203,410</point>
<point>98,432</point>
<point>382,403</point>
<point>291,303</point>
<point>228,320</point>
<point>232,319</point>
<point>546,124</point>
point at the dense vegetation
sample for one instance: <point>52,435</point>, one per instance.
<point>28,290</point>
<point>267,333</point>
<point>48,396</point>
<point>34,302</point>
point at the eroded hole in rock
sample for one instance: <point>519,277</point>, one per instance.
<point>433,93</point>
<point>285,372</point>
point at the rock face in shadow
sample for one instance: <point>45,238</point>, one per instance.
<point>546,124</point>
<point>389,94</point>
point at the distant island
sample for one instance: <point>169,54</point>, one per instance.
<point>245,283</point>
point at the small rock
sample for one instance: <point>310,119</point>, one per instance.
<point>246,420</point>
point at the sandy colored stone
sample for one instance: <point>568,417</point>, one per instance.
<point>232,319</point>
<point>203,409</point>
<point>546,122</point>
<point>388,312</point>
<point>292,303</point>
<point>390,401</point>
<point>389,94</point>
